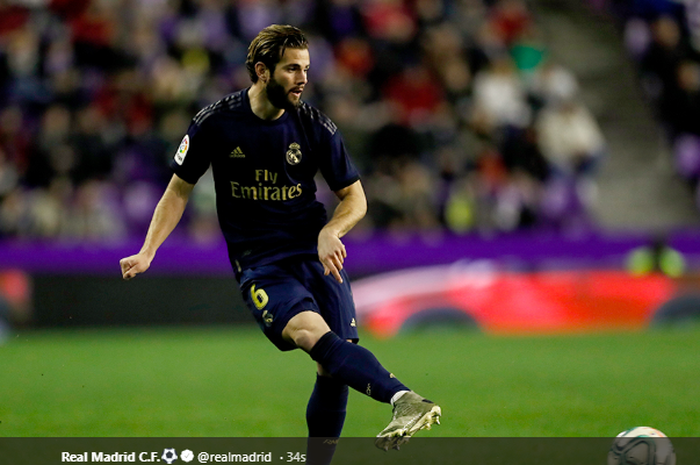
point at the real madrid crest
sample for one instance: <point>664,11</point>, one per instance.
<point>294,153</point>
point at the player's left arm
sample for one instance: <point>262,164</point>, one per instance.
<point>350,210</point>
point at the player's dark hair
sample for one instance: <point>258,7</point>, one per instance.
<point>269,46</point>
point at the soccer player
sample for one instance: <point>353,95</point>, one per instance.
<point>265,145</point>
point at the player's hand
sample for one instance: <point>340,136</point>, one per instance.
<point>133,265</point>
<point>331,252</point>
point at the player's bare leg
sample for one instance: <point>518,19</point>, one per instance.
<point>305,329</point>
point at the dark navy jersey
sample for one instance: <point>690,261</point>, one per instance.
<point>264,175</point>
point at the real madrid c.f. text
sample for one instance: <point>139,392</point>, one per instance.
<point>110,457</point>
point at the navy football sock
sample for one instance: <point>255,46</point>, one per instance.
<point>355,366</point>
<point>325,413</point>
<point>325,416</point>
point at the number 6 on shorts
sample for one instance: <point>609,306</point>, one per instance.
<point>259,297</point>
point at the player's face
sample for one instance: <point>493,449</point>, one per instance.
<point>289,78</point>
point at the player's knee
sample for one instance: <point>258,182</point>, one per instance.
<point>305,338</point>
<point>305,329</point>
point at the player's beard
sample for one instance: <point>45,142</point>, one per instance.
<point>279,97</point>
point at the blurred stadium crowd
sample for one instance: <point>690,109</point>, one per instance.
<point>454,110</point>
<point>663,38</point>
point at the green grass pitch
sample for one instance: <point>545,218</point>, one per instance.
<point>231,382</point>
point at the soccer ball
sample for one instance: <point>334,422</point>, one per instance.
<point>169,455</point>
<point>641,445</point>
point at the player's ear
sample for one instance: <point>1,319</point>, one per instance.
<point>262,71</point>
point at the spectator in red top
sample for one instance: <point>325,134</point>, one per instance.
<point>415,94</point>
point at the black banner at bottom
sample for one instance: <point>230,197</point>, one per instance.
<point>348,451</point>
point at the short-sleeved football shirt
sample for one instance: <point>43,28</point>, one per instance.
<point>264,175</point>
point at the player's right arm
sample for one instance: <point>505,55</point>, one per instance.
<point>165,217</point>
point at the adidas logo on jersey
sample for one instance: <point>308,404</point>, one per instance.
<point>237,153</point>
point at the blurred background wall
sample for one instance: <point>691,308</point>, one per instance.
<point>541,134</point>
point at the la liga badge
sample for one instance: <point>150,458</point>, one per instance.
<point>182,150</point>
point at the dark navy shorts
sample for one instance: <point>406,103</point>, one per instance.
<point>277,292</point>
